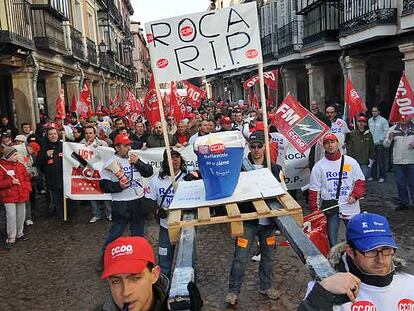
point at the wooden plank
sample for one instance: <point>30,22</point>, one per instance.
<point>174,235</point>
<point>261,207</point>
<point>233,210</point>
<point>203,214</point>
<point>174,217</point>
<point>288,202</point>
<point>236,228</point>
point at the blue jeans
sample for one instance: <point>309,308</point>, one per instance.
<point>244,246</point>
<point>365,170</point>
<point>117,229</point>
<point>379,164</point>
<point>96,210</point>
<point>165,252</point>
<point>404,176</point>
<point>333,228</point>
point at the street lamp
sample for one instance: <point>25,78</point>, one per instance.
<point>102,47</point>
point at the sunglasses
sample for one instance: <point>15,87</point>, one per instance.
<point>256,146</point>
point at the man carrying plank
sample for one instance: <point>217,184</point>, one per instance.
<point>264,229</point>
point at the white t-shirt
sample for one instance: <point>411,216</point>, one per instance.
<point>158,186</point>
<point>399,295</point>
<point>324,179</point>
<point>135,190</point>
<point>340,129</point>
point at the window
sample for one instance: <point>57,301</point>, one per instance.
<point>77,22</point>
<point>91,27</point>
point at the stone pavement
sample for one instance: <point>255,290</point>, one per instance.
<point>54,270</point>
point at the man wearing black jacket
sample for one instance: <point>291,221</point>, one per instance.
<point>122,177</point>
<point>50,162</point>
<point>264,229</point>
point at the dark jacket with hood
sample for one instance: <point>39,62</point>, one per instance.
<point>160,290</point>
<point>319,299</point>
<point>52,167</point>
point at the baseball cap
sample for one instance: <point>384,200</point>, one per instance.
<point>122,139</point>
<point>369,231</point>
<point>225,120</point>
<point>127,255</point>
<point>257,137</point>
<point>362,118</point>
<point>330,136</point>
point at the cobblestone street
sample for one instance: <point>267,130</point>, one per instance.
<point>55,269</point>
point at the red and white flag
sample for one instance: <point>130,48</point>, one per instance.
<point>84,107</point>
<point>99,107</point>
<point>270,79</point>
<point>354,101</point>
<point>194,94</point>
<point>60,105</point>
<point>403,102</point>
<point>152,111</point>
<point>175,103</point>
<point>298,124</point>
<point>73,104</point>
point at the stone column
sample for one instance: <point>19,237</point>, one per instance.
<point>53,86</point>
<point>23,93</point>
<point>408,50</point>
<point>98,92</point>
<point>316,85</point>
<point>290,84</point>
<point>356,71</point>
<point>72,87</point>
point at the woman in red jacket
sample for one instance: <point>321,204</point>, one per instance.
<point>15,189</point>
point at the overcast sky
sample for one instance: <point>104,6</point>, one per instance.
<point>149,10</point>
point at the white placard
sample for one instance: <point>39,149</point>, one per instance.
<point>252,185</point>
<point>204,43</point>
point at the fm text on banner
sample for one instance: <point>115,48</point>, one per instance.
<point>298,124</point>
<point>204,43</point>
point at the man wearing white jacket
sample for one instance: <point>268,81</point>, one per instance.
<point>402,134</point>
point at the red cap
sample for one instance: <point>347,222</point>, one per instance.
<point>225,120</point>
<point>362,118</point>
<point>35,146</point>
<point>330,136</point>
<point>127,255</point>
<point>191,115</point>
<point>122,139</point>
<point>259,127</point>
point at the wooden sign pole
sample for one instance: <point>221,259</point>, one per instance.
<point>264,113</point>
<point>165,133</point>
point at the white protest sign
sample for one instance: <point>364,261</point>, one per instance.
<point>204,43</point>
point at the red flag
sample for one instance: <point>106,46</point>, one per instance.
<point>403,102</point>
<point>299,125</point>
<point>270,79</point>
<point>114,102</point>
<point>60,105</point>
<point>85,101</point>
<point>252,99</point>
<point>152,111</point>
<point>194,94</point>
<point>99,107</point>
<point>73,104</point>
<point>354,101</point>
<point>270,99</point>
<point>176,107</point>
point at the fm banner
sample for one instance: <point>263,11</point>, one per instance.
<point>300,126</point>
<point>204,43</point>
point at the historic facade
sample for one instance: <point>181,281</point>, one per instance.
<point>141,60</point>
<point>317,44</point>
<point>47,44</point>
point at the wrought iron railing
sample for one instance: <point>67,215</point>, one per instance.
<point>77,43</point>
<point>269,45</point>
<point>289,38</point>
<point>408,7</point>
<point>48,31</point>
<point>16,27</point>
<point>91,49</point>
<point>360,15</point>
<point>321,23</point>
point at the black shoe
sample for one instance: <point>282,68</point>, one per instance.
<point>8,246</point>
<point>402,207</point>
<point>23,238</point>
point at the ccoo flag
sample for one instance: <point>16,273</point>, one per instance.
<point>403,102</point>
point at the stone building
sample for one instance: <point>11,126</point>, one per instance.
<point>141,60</point>
<point>317,44</point>
<point>47,44</point>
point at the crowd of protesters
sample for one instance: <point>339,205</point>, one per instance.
<point>32,158</point>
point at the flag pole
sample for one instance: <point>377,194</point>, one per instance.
<point>165,133</point>
<point>264,113</point>
<point>65,203</point>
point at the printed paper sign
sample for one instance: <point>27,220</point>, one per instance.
<point>299,125</point>
<point>204,43</point>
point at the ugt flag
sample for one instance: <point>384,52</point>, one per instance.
<point>298,124</point>
<point>403,102</point>
<point>354,101</point>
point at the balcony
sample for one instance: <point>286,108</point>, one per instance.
<point>360,16</point>
<point>408,7</point>
<point>289,38</point>
<point>269,46</point>
<point>77,43</point>
<point>16,25</point>
<point>107,61</point>
<point>48,31</point>
<point>91,50</point>
<point>407,14</point>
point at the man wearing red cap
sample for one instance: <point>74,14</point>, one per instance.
<point>336,179</point>
<point>135,280</point>
<point>360,145</point>
<point>226,124</point>
<point>122,177</point>
<point>402,134</point>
